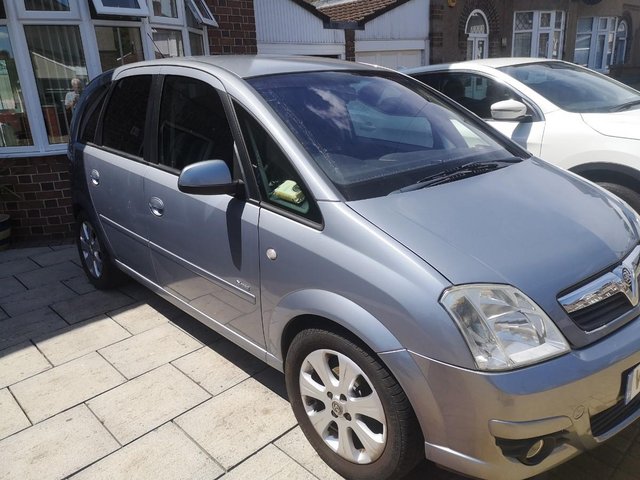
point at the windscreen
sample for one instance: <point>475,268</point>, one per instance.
<point>574,89</point>
<point>374,133</point>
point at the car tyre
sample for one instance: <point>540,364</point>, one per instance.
<point>351,408</point>
<point>95,259</point>
<point>625,193</point>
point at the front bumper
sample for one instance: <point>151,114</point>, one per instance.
<point>577,398</point>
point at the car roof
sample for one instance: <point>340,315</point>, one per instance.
<point>246,66</point>
<point>481,64</point>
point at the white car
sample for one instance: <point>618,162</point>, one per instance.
<point>568,115</point>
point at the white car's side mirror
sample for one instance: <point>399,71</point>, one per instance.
<point>508,110</point>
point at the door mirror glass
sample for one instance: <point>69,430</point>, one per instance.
<point>508,110</point>
<point>211,177</point>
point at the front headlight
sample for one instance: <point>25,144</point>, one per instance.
<point>502,326</point>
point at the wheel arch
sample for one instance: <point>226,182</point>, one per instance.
<point>609,172</point>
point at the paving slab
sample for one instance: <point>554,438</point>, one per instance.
<point>56,447</point>
<point>9,286</point>
<point>13,418</point>
<point>35,298</point>
<point>82,307</point>
<point>237,423</point>
<point>296,446</point>
<point>137,291</point>
<point>139,317</point>
<point>51,274</point>
<point>2,314</point>
<point>146,402</point>
<point>63,387</point>
<point>218,367</point>
<point>80,339</point>
<point>19,362</point>
<point>57,256</point>
<point>12,267</point>
<point>269,464</point>
<point>150,349</point>
<point>18,253</point>
<point>29,325</point>
<point>80,284</point>
<point>163,454</point>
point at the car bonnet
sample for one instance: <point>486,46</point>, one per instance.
<point>529,225</point>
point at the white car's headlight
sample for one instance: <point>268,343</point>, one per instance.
<point>502,326</point>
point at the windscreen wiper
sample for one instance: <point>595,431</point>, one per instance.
<point>626,106</point>
<point>457,173</point>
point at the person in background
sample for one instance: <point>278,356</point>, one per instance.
<point>72,97</point>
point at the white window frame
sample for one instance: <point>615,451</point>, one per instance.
<point>141,11</point>
<point>609,34</point>
<point>621,42</point>
<point>48,15</point>
<point>205,19</point>
<point>476,38</point>
<point>537,30</point>
<point>180,20</point>
<point>79,17</point>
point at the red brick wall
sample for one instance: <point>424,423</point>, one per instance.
<point>43,210</point>
<point>236,33</point>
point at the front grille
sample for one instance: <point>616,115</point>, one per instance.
<point>604,421</point>
<point>601,313</point>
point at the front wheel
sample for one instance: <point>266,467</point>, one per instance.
<point>95,259</point>
<point>350,407</point>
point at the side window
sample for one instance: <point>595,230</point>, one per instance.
<point>476,92</point>
<point>193,125</point>
<point>126,115</point>
<point>89,121</point>
<point>278,180</point>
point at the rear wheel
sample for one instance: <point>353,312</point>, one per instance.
<point>625,193</point>
<point>350,407</point>
<point>95,259</point>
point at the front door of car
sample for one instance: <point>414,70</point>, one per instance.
<point>115,170</point>
<point>204,247</point>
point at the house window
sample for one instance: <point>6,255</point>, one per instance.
<point>538,34</point>
<point>168,43</point>
<point>595,42</point>
<point>621,42</point>
<point>477,30</point>
<point>14,124</point>
<point>60,70</point>
<point>118,46</point>
<point>136,8</point>
<point>51,49</point>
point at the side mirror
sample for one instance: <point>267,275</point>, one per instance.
<point>508,110</point>
<point>211,177</point>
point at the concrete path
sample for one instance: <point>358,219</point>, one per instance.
<point>121,384</point>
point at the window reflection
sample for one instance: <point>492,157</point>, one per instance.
<point>47,5</point>
<point>60,71</point>
<point>168,43</point>
<point>165,8</point>
<point>118,46</point>
<point>14,125</point>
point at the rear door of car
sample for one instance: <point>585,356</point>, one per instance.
<point>204,247</point>
<point>115,167</point>
<point>477,92</point>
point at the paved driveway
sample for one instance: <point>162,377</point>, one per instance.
<point>121,384</point>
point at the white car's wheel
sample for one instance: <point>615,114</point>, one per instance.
<point>625,193</point>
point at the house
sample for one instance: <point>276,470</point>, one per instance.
<point>49,49</point>
<point>600,34</point>
<point>391,33</point>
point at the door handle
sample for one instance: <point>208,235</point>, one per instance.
<point>156,206</point>
<point>95,177</point>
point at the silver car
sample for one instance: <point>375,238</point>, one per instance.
<point>428,288</point>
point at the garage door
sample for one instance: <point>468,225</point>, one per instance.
<point>392,59</point>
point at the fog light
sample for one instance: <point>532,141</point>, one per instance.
<point>535,449</point>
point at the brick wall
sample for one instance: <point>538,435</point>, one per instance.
<point>35,192</point>
<point>237,27</point>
